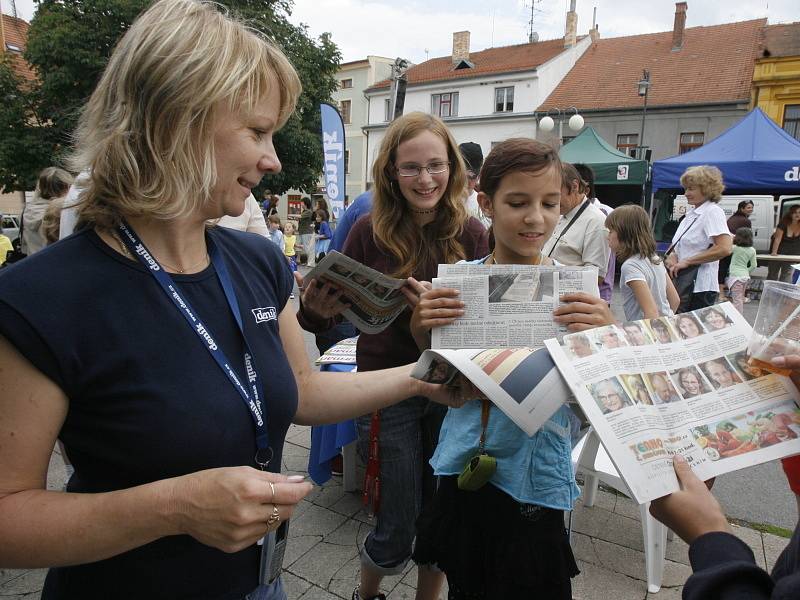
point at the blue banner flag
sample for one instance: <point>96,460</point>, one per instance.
<point>333,156</point>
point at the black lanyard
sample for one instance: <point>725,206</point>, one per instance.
<point>251,398</point>
<point>571,221</point>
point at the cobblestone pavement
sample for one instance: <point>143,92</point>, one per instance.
<point>328,527</point>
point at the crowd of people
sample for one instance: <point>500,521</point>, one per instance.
<point>177,490</point>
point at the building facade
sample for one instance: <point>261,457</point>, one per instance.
<point>776,78</point>
<point>484,97</point>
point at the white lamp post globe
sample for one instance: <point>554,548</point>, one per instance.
<point>575,122</point>
<point>547,123</point>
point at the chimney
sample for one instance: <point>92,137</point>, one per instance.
<point>594,32</point>
<point>680,25</point>
<point>460,46</point>
<point>571,33</point>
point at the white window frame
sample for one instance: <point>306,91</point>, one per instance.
<point>444,99</point>
<point>501,99</point>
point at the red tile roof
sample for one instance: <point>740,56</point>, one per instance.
<point>505,59</point>
<point>15,32</point>
<point>715,64</point>
<point>781,40</point>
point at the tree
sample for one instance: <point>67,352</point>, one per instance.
<point>69,43</point>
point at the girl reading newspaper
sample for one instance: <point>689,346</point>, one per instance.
<point>496,524</point>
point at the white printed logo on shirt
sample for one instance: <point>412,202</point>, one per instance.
<point>267,313</point>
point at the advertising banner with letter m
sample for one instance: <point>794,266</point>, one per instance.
<point>333,157</point>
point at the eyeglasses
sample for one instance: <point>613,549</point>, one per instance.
<point>415,170</point>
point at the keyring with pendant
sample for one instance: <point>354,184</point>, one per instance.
<point>263,457</point>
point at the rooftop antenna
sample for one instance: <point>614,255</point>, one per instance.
<point>533,36</point>
<point>13,8</point>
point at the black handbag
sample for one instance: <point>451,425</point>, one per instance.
<point>684,281</point>
<point>16,254</point>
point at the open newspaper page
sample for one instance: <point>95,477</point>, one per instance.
<point>681,384</point>
<point>375,299</point>
<point>524,383</point>
<point>508,306</point>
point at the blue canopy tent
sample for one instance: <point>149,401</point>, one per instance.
<point>755,157</point>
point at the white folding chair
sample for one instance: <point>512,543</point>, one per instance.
<point>590,458</point>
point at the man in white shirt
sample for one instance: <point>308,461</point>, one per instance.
<point>473,159</point>
<point>580,237</point>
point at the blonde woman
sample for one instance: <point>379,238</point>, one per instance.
<point>701,240</point>
<point>174,398</point>
<point>418,220</point>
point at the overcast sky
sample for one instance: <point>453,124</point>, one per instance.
<point>417,29</point>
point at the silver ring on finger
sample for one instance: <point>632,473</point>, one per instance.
<point>275,517</point>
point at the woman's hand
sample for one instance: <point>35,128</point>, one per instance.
<point>320,302</point>
<point>455,394</point>
<point>228,508</point>
<point>413,289</point>
<point>583,311</point>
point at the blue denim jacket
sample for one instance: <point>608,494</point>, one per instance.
<point>533,469</point>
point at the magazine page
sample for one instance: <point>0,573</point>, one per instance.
<point>343,352</point>
<point>522,382</point>
<point>508,306</point>
<point>375,299</point>
<point>681,384</point>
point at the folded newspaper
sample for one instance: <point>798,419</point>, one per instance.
<point>681,384</point>
<point>508,306</point>
<point>375,299</point>
<point>343,352</point>
<point>522,382</point>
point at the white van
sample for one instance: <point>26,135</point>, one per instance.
<point>763,217</point>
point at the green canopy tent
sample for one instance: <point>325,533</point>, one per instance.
<point>610,166</point>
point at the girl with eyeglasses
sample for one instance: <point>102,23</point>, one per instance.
<point>418,220</point>
<point>506,539</point>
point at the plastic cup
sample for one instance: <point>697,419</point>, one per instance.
<point>776,331</point>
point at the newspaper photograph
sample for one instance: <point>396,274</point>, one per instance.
<point>375,299</point>
<point>508,306</point>
<point>681,384</point>
<point>343,352</point>
<point>522,382</point>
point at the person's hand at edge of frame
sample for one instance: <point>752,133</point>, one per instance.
<point>413,290</point>
<point>789,361</point>
<point>693,510</point>
<point>582,311</point>
<point>320,302</point>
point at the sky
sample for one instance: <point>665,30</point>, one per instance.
<point>421,29</point>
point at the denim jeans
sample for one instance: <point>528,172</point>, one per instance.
<point>273,591</point>
<point>408,436</point>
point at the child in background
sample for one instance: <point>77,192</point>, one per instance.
<point>323,233</point>
<point>289,240</point>
<point>647,291</point>
<point>274,232</point>
<point>505,539</point>
<point>743,261</point>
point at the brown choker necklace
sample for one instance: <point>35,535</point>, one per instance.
<point>423,211</point>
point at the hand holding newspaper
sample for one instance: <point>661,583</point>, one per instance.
<point>679,385</point>
<point>375,299</point>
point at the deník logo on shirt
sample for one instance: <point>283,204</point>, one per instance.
<point>266,313</point>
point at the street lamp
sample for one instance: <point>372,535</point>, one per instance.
<point>547,123</point>
<point>644,88</point>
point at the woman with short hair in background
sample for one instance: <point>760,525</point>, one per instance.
<point>53,183</point>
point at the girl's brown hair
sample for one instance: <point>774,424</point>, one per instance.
<point>634,232</point>
<point>393,227</point>
<point>513,155</point>
<point>53,183</point>
<point>786,219</point>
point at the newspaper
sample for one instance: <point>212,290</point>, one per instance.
<point>375,299</point>
<point>343,353</point>
<point>681,384</point>
<point>508,306</point>
<point>522,382</point>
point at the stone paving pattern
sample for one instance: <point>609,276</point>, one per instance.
<point>329,526</point>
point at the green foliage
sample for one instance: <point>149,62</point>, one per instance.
<point>69,43</point>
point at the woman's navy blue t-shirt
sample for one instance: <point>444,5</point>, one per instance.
<point>146,399</point>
